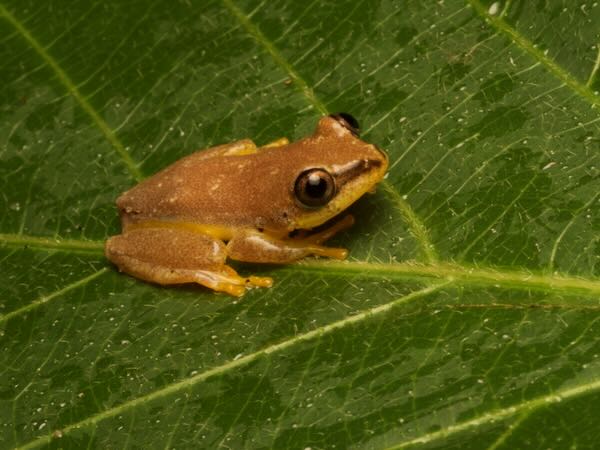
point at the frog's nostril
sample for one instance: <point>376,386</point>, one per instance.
<point>348,121</point>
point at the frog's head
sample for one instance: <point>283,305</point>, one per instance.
<point>338,169</point>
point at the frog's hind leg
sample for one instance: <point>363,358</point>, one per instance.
<point>174,256</point>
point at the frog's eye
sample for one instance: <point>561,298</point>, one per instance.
<point>314,187</point>
<point>347,121</point>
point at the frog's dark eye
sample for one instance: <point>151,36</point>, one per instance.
<point>347,121</point>
<point>314,188</point>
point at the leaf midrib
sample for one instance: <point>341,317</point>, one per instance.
<point>464,274</point>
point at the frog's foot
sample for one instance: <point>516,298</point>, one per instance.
<point>223,279</point>
<point>235,283</point>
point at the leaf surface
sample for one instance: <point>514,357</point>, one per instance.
<point>467,314</point>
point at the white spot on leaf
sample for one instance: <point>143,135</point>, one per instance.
<point>494,8</point>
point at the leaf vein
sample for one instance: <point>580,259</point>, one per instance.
<point>525,44</point>
<point>499,442</point>
<point>233,364</point>
<point>51,243</point>
<point>504,413</point>
<point>276,55</point>
<point>469,275</point>
<point>416,226</point>
<point>592,77</point>
<point>462,273</point>
<point>74,91</point>
<point>499,217</point>
<point>45,299</point>
<point>566,228</point>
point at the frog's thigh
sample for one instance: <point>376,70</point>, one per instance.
<point>174,256</point>
<point>257,247</point>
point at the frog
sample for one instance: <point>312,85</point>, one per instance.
<point>273,204</point>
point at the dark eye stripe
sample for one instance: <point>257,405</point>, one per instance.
<point>348,172</point>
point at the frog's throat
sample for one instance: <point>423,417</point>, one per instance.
<point>214,231</point>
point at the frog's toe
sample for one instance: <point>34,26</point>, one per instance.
<point>220,281</point>
<point>260,281</point>
<point>337,253</point>
<point>237,286</point>
<point>329,252</point>
<point>230,282</point>
<point>232,289</point>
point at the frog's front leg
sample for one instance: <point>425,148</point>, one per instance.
<point>237,148</point>
<point>259,247</point>
<point>321,236</point>
<point>176,256</point>
<point>276,143</point>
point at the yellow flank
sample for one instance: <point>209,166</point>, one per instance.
<point>214,231</point>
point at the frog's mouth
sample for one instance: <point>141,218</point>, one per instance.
<point>352,180</point>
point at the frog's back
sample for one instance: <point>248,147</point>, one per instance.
<point>250,190</point>
<point>237,185</point>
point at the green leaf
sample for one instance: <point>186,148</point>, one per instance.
<point>468,313</point>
